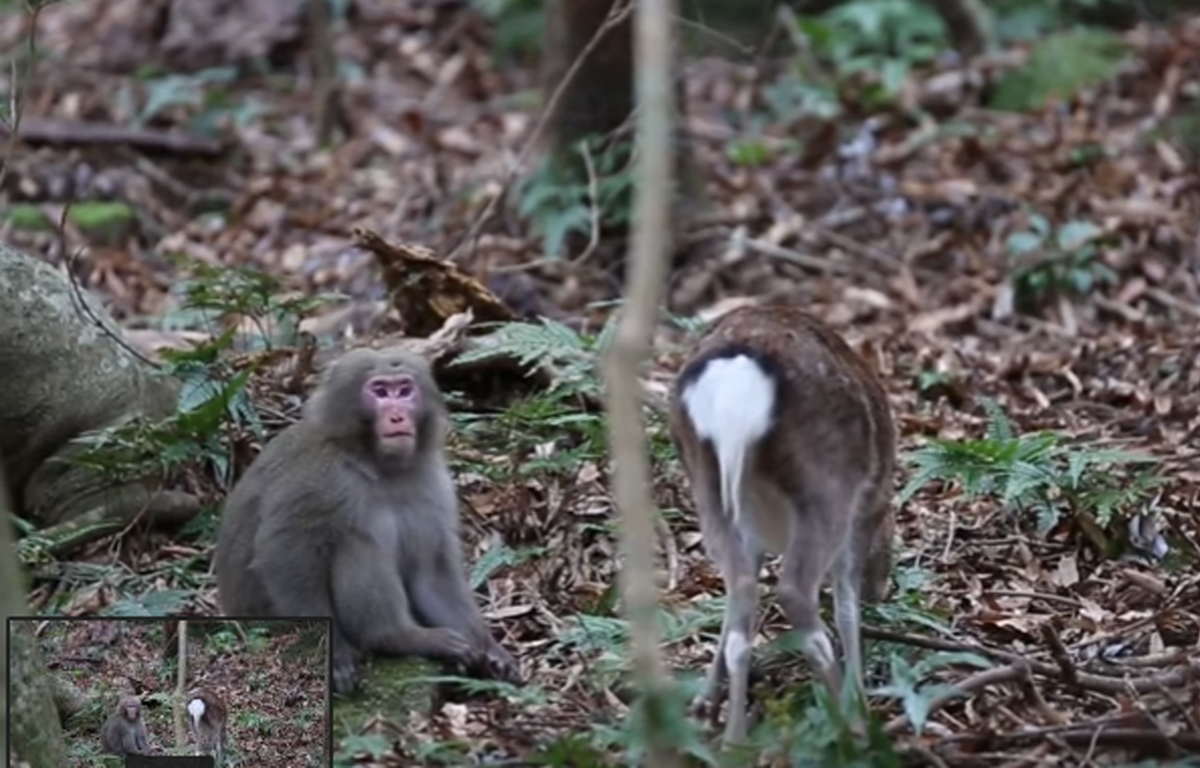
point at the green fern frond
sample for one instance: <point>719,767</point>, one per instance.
<point>999,427</point>
<point>531,344</point>
<point>1035,473</point>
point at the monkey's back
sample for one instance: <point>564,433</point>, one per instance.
<point>240,587</point>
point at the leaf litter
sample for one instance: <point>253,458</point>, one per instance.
<point>922,240</point>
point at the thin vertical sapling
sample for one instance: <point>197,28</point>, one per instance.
<point>630,346</point>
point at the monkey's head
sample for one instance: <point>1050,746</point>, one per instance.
<point>387,398</point>
<point>131,710</point>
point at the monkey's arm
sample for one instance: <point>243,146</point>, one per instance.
<point>442,597</point>
<point>374,608</point>
<point>132,741</point>
<point>295,577</point>
<point>438,588</point>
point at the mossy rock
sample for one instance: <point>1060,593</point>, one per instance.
<point>104,222</point>
<point>386,689</point>
<point>26,217</point>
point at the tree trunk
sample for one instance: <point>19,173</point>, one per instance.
<point>599,95</point>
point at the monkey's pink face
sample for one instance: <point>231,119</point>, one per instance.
<point>132,710</point>
<point>395,400</point>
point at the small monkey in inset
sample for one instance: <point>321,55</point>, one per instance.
<point>788,442</point>
<point>352,513</point>
<point>125,732</point>
<point>206,721</point>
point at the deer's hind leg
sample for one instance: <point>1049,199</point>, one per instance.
<point>816,541</point>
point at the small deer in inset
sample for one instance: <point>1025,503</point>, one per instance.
<point>206,721</point>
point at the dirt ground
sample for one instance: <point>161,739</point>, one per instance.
<point>899,232</point>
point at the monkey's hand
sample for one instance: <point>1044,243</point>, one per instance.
<point>499,664</point>
<point>502,666</point>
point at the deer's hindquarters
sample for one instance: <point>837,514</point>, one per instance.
<point>788,443</point>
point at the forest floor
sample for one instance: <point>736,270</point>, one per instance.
<point>1068,577</point>
<point>280,680</point>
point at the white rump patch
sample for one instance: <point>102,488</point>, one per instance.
<point>730,403</point>
<point>195,708</point>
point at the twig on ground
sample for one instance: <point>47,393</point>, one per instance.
<point>1007,674</point>
<point>1092,682</point>
<point>92,133</point>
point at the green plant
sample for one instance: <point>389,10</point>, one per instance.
<point>500,556</point>
<point>1026,20</point>
<point>1059,66</point>
<point>749,152</point>
<point>202,94</point>
<point>516,25</point>
<point>564,197</point>
<point>906,684</point>
<point>870,44</point>
<point>255,721</point>
<point>1038,472</point>
<point>213,401</point>
<point>572,357</point>
<point>1048,262</point>
<point>557,416</point>
<point>929,380</point>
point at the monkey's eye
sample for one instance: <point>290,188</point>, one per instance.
<point>380,390</point>
<point>405,390</point>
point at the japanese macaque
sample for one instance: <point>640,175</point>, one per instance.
<point>206,721</point>
<point>789,446</point>
<point>125,732</point>
<point>352,513</point>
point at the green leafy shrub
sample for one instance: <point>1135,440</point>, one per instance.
<point>213,403</point>
<point>564,199</point>
<point>864,47</point>
<point>517,26</point>
<point>1048,262</point>
<point>1059,66</point>
<point>1039,472</point>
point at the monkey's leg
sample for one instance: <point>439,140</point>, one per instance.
<point>375,614</point>
<point>441,597</point>
<point>131,743</point>
<point>294,588</point>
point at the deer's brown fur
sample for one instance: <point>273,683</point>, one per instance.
<point>809,447</point>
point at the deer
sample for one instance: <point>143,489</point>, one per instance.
<point>788,443</point>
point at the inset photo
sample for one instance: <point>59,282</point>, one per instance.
<point>85,693</point>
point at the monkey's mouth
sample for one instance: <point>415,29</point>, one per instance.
<point>397,440</point>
